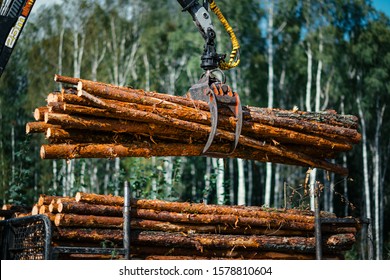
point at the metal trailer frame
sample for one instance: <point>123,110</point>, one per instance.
<point>26,238</point>
<point>29,238</point>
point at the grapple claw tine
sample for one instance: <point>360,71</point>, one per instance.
<point>216,94</point>
<point>213,119</point>
<point>238,114</point>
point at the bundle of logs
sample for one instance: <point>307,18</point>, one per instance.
<point>96,120</point>
<point>182,230</point>
<point>14,211</point>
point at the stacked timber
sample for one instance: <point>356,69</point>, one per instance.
<point>97,120</point>
<point>182,230</point>
<point>9,211</point>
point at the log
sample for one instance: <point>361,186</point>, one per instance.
<point>53,207</point>
<point>143,224</point>
<point>90,209</point>
<point>70,151</point>
<point>44,209</point>
<point>46,199</point>
<point>262,243</point>
<point>116,126</point>
<point>72,220</point>
<point>88,234</point>
<point>241,211</point>
<point>35,210</point>
<point>39,113</point>
<point>231,220</point>
<point>224,223</point>
<point>38,127</point>
<point>99,199</point>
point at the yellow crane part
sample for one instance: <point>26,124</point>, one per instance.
<point>234,59</point>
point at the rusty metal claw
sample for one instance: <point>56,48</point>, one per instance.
<point>216,94</point>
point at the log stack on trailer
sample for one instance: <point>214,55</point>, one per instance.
<point>183,230</point>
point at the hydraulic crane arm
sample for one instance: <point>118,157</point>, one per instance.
<point>201,17</point>
<point>209,88</point>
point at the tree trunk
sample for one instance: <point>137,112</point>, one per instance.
<point>241,193</point>
<point>378,197</point>
<point>220,180</point>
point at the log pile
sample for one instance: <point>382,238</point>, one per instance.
<point>9,211</point>
<point>97,120</point>
<point>181,230</point>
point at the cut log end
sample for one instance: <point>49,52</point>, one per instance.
<point>43,209</point>
<point>78,196</point>
<point>35,210</point>
<point>79,88</point>
<point>57,219</point>
<point>42,153</point>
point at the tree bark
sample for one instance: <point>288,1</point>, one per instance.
<point>90,209</point>
<point>99,199</point>
<point>87,221</point>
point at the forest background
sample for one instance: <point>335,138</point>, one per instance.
<point>314,55</point>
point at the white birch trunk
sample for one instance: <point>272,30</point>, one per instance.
<point>278,194</point>
<point>82,175</point>
<point>218,163</point>
<point>93,178</point>
<point>231,181</point>
<point>250,182</point>
<point>376,182</point>
<point>106,178</point>
<point>64,177</point>
<point>168,171</point>
<point>55,186</point>
<point>117,169</point>
<point>60,53</point>
<point>194,183</point>
<point>207,178</point>
<point>241,195</point>
<point>309,77</point>
<point>270,90</point>
<point>319,73</point>
<point>365,161</point>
